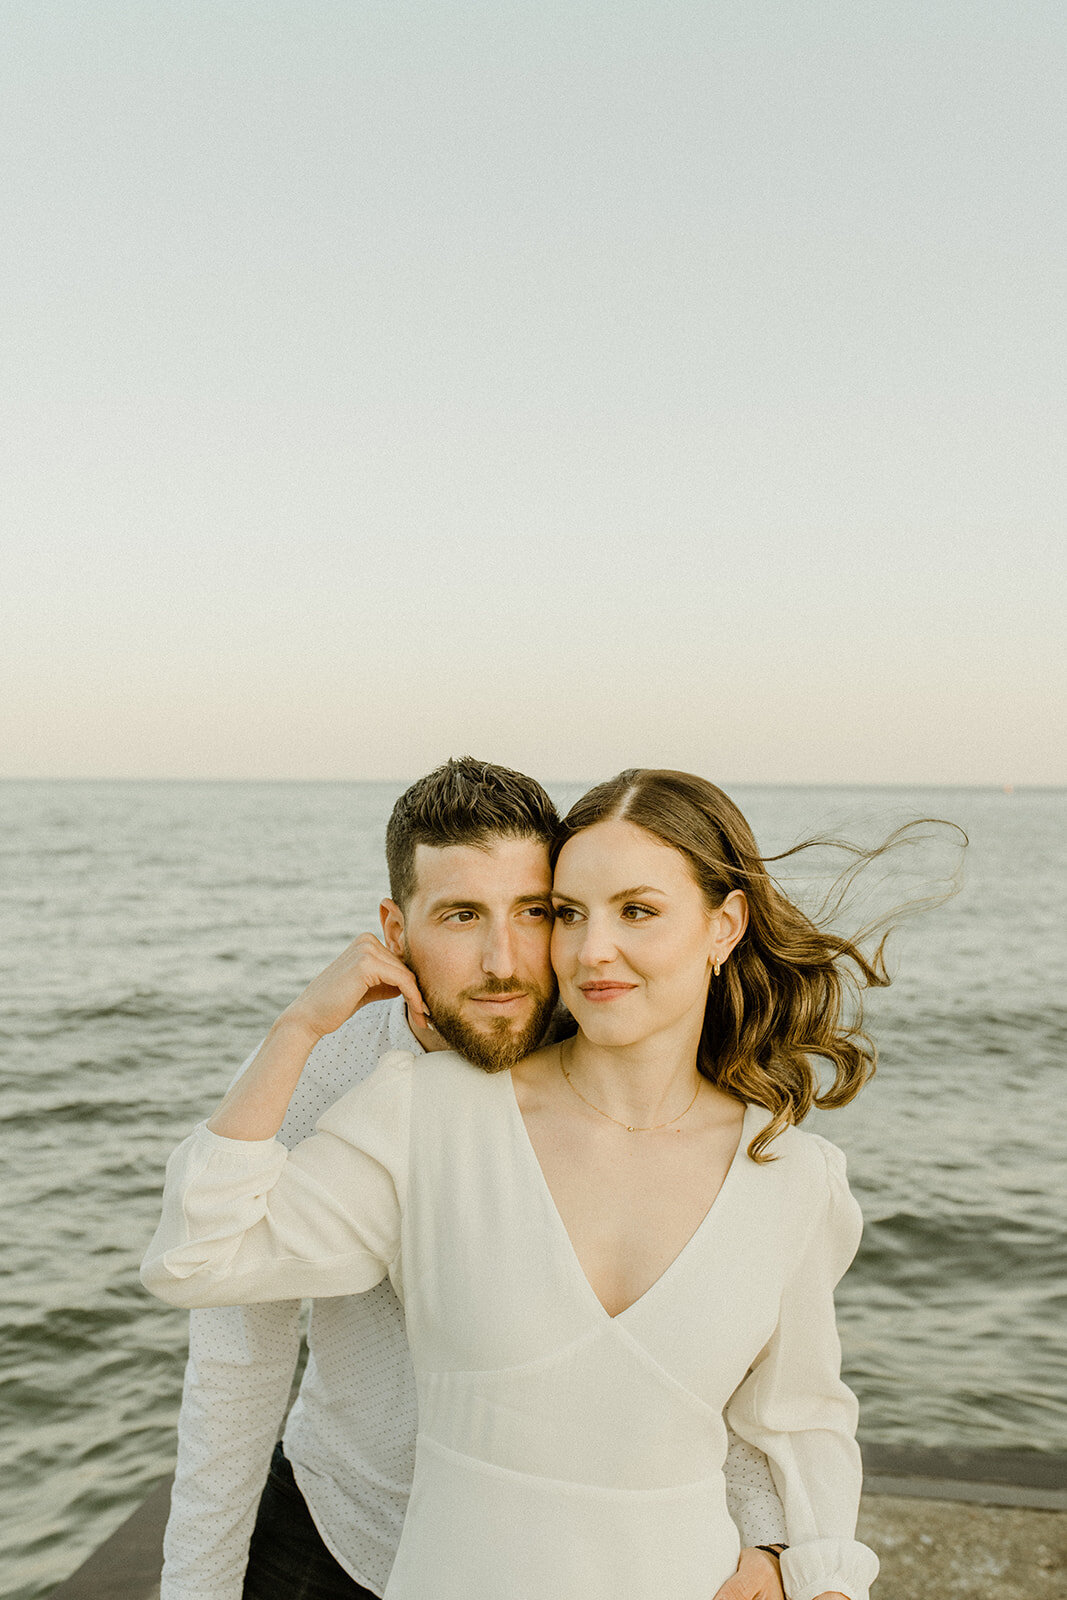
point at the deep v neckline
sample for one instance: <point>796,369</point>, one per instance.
<point>736,1161</point>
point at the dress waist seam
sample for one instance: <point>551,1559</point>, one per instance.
<point>425,1443</point>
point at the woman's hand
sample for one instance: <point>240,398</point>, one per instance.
<point>256,1105</point>
<point>758,1577</point>
<point>365,972</point>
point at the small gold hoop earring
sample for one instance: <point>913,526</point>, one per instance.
<point>717,968</point>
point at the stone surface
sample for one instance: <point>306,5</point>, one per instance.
<point>929,1550</point>
<point>126,1566</point>
<point>934,1550</point>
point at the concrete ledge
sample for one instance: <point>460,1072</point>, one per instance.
<point>1013,1478</point>
<point>126,1566</point>
<point>950,1524</point>
<point>975,1494</point>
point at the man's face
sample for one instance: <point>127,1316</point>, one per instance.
<point>476,934</point>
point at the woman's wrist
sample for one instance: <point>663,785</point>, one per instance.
<point>255,1107</point>
<point>295,1028</point>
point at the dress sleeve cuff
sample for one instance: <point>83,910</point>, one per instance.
<point>216,1190</point>
<point>204,1143</point>
<point>822,1566</point>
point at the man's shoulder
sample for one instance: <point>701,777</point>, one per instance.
<point>341,1060</point>
<point>360,1042</point>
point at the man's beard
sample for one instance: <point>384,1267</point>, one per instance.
<point>499,1046</point>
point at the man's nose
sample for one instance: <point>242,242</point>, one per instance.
<point>498,952</point>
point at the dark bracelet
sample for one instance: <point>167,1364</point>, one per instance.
<point>774,1550</point>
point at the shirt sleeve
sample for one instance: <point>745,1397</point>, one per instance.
<point>751,1498</point>
<point>237,1384</point>
<point>247,1220</point>
<point>239,1376</point>
<point>794,1407</point>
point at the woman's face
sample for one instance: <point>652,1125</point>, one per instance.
<point>633,942</point>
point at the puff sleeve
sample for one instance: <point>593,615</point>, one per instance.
<point>794,1407</point>
<point>247,1220</point>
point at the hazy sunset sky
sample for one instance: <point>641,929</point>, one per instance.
<point>578,385</point>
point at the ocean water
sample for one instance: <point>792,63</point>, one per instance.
<point>151,931</point>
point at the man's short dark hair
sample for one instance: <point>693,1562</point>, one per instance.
<point>464,802</point>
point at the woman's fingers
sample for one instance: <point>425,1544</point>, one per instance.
<point>365,971</point>
<point>388,975</point>
<point>408,987</point>
<point>738,1588</point>
<point>757,1578</point>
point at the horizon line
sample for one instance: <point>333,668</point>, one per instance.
<point>1007,789</point>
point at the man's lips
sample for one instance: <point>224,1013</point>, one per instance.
<point>500,1002</point>
<point>601,991</point>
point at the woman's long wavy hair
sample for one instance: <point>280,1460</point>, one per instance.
<point>791,989</point>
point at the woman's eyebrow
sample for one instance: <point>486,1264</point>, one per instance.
<point>624,894</point>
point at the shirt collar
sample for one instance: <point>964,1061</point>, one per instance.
<point>400,1035</point>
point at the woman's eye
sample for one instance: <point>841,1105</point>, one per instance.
<point>634,913</point>
<point>566,914</point>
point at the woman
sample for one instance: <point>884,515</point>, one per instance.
<point>600,1251</point>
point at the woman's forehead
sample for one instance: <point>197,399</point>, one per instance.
<point>618,848</point>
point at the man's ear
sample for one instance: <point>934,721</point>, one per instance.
<point>392,927</point>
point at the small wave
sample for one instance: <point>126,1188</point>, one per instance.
<point>163,1013</point>
<point>68,1330</point>
<point>107,1113</point>
<point>142,1005</point>
<point>970,1248</point>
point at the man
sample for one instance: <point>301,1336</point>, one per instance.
<point>463,964</point>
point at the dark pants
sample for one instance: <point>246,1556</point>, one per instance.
<point>287,1559</point>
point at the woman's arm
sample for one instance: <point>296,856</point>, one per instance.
<point>794,1407</point>
<point>245,1220</point>
<point>255,1106</point>
<point>242,1221</point>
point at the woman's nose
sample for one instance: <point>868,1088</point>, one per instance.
<point>597,946</point>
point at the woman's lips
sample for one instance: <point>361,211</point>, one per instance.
<point>599,992</point>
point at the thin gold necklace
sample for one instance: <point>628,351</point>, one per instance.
<point>655,1127</point>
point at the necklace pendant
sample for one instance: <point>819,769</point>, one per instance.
<point>629,1129</point>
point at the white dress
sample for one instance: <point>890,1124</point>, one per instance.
<point>563,1454</point>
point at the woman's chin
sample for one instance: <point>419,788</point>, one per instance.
<point>605,1029</point>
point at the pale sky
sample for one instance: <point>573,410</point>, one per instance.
<point>578,385</point>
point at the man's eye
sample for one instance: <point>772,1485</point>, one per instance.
<point>538,913</point>
<point>460,916</point>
